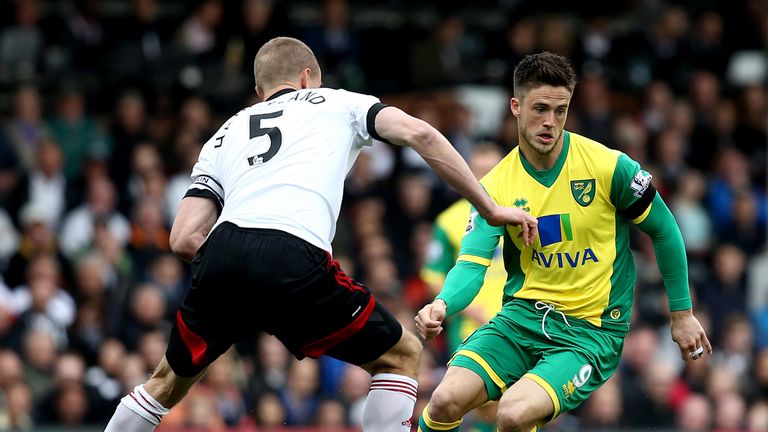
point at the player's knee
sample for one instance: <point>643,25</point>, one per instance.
<point>511,418</point>
<point>444,406</point>
<point>411,352</point>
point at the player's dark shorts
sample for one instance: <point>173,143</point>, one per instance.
<point>246,280</point>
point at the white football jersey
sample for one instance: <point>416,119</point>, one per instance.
<point>281,163</point>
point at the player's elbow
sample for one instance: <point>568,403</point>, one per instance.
<point>420,135</point>
<point>182,245</point>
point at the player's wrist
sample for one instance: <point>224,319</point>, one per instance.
<point>445,305</point>
<point>681,314</point>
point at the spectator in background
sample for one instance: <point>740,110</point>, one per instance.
<point>354,389</point>
<point>197,36</point>
<point>745,230</point>
<point>337,47</point>
<point>269,411</point>
<point>78,135</point>
<point>603,409</point>
<point>695,414</point>
<point>757,418</point>
<point>103,376</point>
<point>730,412</point>
<point>77,231</point>
<point>221,381</point>
<point>21,44</point>
<point>40,355</point>
<point>26,128</point>
<point>147,313</point>
<point>16,413</point>
<point>299,397</point>
<point>725,292</point>
<point>128,130</point>
<point>45,186</point>
<point>149,236</point>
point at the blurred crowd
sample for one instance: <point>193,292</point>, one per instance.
<point>104,106</point>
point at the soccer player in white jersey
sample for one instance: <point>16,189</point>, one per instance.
<point>257,225</point>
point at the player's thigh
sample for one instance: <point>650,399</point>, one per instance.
<point>495,352</point>
<point>381,345</point>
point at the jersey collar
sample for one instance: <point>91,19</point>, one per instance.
<point>547,177</point>
<point>279,93</point>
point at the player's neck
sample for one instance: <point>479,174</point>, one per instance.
<point>281,87</point>
<point>539,161</point>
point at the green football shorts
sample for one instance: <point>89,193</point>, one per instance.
<point>577,359</point>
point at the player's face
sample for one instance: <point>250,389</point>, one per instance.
<point>541,115</point>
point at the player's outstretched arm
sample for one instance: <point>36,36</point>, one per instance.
<point>399,128</point>
<point>194,220</point>
<point>668,244</point>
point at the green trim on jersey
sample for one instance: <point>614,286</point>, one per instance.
<point>547,177</point>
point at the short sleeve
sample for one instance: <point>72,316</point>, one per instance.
<point>363,109</point>
<point>480,240</point>
<point>632,191</point>
<point>205,180</point>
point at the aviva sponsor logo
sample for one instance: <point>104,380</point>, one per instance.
<point>557,229</point>
<point>564,259</point>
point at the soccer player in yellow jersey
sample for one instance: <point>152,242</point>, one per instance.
<point>568,296</point>
<point>444,247</point>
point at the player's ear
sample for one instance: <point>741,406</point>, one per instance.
<point>514,106</point>
<point>305,78</point>
<point>259,93</point>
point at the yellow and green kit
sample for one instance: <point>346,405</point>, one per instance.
<point>568,297</point>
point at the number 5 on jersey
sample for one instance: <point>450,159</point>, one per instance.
<point>274,134</point>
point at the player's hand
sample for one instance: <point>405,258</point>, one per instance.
<point>429,321</point>
<point>517,217</point>
<point>689,335</point>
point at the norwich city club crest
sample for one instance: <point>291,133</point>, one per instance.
<point>583,191</point>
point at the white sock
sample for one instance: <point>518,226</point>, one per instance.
<point>137,412</point>
<point>390,402</point>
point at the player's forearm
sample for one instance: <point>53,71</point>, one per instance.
<point>668,244</point>
<point>438,152</point>
<point>462,285</point>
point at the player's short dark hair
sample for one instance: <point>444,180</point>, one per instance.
<point>545,68</point>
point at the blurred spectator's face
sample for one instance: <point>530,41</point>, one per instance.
<point>270,411</point>
<point>111,356</point>
<point>90,281</point>
<point>28,104</point>
<point>709,28</point>
<point>219,375</point>
<point>738,337</point>
<point>146,159</point>
<point>331,413</point>
<point>149,306</point>
<point>670,147</point>
<point>659,379</point>
<point>705,90</point>
<point>639,348</point>
<point>721,381</point>
<point>335,13</point>
<point>39,235</point>
<point>18,403</point>
<point>210,13</point>
<point>761,368</point>
<point>71,107</point>
<point>483,162</point>
<point>692,186</point>
<point>272,353</point>
<point>42,291</point>
<point>196,115</point>
<point>130,112</point>
<point>730,412</point>
<point>659,96</point>
<point>26,12</point>
<point>415,195</point>
<point>303,378</point>
<point>49,158</point>
<point>729,264</point>
<point>726,118</point>
<point>133,372</point>
<point>202,411</point>
<point>733,167</point>
<point>40,350</point>
<point>145,10</point>
<point>695,414</point>
<point>522,37</point>
<point>101,196</point>
<point>71,405</point>
<point>70,368</point>
<point>745,210</point>
<point>167,270</point>
<point>44,267</point>
<point>10,368</point>
<point>152,348</point>
<point>149,216</point>
<point>256,14</point>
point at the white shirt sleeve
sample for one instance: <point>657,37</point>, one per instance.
<point>362,110</point>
